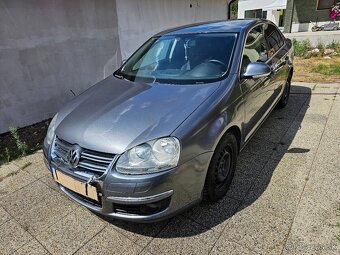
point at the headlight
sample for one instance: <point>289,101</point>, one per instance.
<point>51,129</point>
<point>154,156</point>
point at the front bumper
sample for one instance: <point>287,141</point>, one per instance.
<point>143,198</point>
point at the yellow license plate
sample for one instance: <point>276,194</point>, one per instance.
<point>81,188</point>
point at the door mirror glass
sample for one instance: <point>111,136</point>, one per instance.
<point>256,70</point>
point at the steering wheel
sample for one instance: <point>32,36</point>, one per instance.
<point>215,61</point>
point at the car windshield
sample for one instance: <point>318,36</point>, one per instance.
<point>186,58</point>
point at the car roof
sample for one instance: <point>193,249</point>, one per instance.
<point>212,27</point>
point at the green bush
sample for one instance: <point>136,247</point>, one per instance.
<point>301,47</point>
<point>321,47</point>
<point>335,45</point>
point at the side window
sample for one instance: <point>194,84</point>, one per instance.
<point>274,39</point>
<point>255,48</point>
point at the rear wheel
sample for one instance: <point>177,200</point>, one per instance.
<point>221,169</point>
<point>286,93</point>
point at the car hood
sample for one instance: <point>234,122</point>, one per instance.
<point>115,115</point>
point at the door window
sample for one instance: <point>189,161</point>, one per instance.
<point>255,48</point>
<point>274,39</point>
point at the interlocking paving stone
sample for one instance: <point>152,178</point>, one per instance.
<point>140,233</point>
<point>13,183</point>
<point>261,147</point>
<point>26,198</point>
<point>315,228</point>
<point>45,213</point>
<point>71,233</point>
<point>230,248</point>
<point>4,216</point>
<point>258,230</point>
<point>145,252</point>
<point>8,169</point>
<point>31,248</point>
<point>110,241</point>
<point>183,236</point>
<point>37,169</point>
<point>214,215</point>
<point>12,237</point>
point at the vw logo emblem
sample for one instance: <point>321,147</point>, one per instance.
<point>73,156</point>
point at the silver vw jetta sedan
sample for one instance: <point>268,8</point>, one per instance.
<point>165,129</point>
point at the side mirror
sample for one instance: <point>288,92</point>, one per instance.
<point>256,70</point>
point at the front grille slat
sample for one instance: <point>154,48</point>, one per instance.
<point>93,154</point>
<point>90,161</point>
<point>92,166</point>
<point>105,161</point>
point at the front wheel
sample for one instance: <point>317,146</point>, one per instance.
<point>221,169</point>
<point>286,93</point>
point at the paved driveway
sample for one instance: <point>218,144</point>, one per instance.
<point>285,198</point>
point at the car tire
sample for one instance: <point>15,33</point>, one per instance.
<point>286,93</point>
<point>221,169</point>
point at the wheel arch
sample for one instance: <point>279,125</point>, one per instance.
<point>236,131</point>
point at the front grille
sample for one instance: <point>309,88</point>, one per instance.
<point>90,163</point>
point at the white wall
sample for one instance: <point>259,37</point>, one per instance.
<point>139,20</point>
<point>244,5</point>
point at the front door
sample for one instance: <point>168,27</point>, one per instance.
<point>255,91</point>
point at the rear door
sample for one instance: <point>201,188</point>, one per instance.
<point>278,60</point>
<point>255,91</point>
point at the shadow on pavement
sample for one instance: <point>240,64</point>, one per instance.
<point>256,165</point>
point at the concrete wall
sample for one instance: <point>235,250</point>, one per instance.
<point>139,20</point>
<point>48,48</point>
<point>325,37</point>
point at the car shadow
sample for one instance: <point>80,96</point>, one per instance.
<point>256,165</point>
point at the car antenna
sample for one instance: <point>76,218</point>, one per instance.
<point>74,94</point>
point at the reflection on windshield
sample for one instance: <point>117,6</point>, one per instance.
<point>188,58</point>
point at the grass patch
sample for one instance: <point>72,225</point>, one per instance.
<point>326,69</point>
<point>25,165</point>
<point>317,69</point>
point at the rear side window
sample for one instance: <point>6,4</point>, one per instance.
<point>255,48</point>
<point>274,39</point>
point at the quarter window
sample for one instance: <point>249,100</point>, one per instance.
<point>255,48</point>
